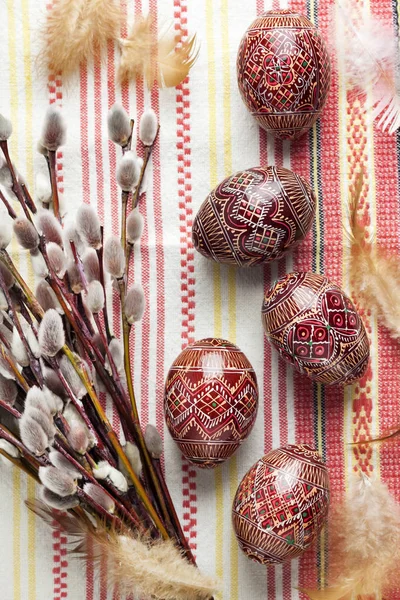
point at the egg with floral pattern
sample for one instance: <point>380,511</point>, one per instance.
<point>211,400</point>
<point>284,72</point>
<point>316,328</point>
<point>281,504</point>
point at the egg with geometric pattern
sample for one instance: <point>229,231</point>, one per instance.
<point>254,216</point>
<point>316,328</point>
<point>210,401</point>
<point>284,72</point>
<point>281,504</point>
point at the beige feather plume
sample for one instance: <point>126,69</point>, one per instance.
<point>365,546</point>
<point>374,275</point>
<point>156,571</point>
<point>165,61</point>
<point>76,30</point>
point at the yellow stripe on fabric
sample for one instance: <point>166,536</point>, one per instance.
<point>12,55</point>
<point>28,87</point>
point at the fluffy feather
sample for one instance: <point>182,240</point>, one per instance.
<point>76,30</point>
<point>367,51</point>
<point>166,61</point>
<point>365,544</point>
<point>139,569</point>
<point>374,275</point>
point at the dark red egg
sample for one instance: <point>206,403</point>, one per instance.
<point>284,72</point>
<point>316,327</point>
<point>281,504</point>
<point>211,400</point>
<point>254,216</point>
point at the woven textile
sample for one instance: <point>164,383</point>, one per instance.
<point>206,134</point>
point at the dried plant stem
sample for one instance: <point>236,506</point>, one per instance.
<point>16,185</point>
<point>31,301</point>
<point>10,409</point>
<point>147,153</point>
<point>99,253</point>
<point>18,463</point>
<point>54,187</point>
<point>124,208</point>
<point>28,199</point>
<point>33,361</point>
<point>141,492</point>
<point>18,376</point>
<point>8,206</point>
<point>134,411</point>
<point>79,265</point>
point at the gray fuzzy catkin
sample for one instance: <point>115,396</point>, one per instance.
<point>18,349</point>
<point>91,265</point>
<point>54,129</point>
<point>134,226</point>
<point>118,480</point>
<point>51,333</point>
<point>26,234</point>
<point>42,418</point>
<point>72,378</point>
<point>71,234</point>
<point>8,390</point>
<point>46,297</point>
<point>119,126</point>
<point>57,259</point>
<point>133,455</point>
<point>53,382</point>
<point>78,437</point>
<point>114,257</point>
<point>88,226</point>
<point>128,172</point>
<point>54,402</point>
<point>135,303</point>
<point>33,436</point>
<point>5,233</point>
<point>43,188</point>
<point>57,481</point>
<point>153,441</point>
<point>55,501</point>
<point>61,462</point>
<point>117,353</point>
<point>99,496</point>
<point>48,225</point>
<point>74,277</point>
<point>95,297</point>
<point>5,128</point>
<point>148,127</point>
<point>9,448</point>
<point>36,398</point>
<point>38,263</point>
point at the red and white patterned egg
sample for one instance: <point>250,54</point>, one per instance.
<point>284,72</point>
<point>316,327</point>
<point>211,400</point>
<point>281,504</point>
<point>254,216</point>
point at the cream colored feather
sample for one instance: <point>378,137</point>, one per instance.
<point>365,547</point>
<point>367,51</point>
<point>165,61</point>
<point>76,30</point>
<point>156,570</point>
<point>374,275</point>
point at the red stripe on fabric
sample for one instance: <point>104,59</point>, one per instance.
<point>60,564</point>
<point>183,146</point>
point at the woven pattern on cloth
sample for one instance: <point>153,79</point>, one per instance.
<point>206,134</point>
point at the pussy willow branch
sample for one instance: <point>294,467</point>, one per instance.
<point>53,179</point>
<point>8,206</point>
<point>147,153</point>
<point>16,184</point>
<point>99,253</point>
<point>6,356</point>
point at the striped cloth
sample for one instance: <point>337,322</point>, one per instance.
<point>206,134</point>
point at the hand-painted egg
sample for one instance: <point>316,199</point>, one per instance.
<point>316,328</point>
<point>211,400</point>
<point>284,72</point>
<point>254,216</point>
<point>281,504</point>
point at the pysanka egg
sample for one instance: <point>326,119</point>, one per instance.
<point>211,400</point>
<point>281,504</point>
<point>284,72</point>
<point>316,328</point>
<point>254,216</point>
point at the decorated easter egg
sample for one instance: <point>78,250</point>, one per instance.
<point>284,72</point>
<point>211,400</point>
<point>281,504</point>
<point>316,328</point>
<point>254,216</point>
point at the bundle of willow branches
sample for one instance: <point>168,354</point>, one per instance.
<point>57,354</point>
